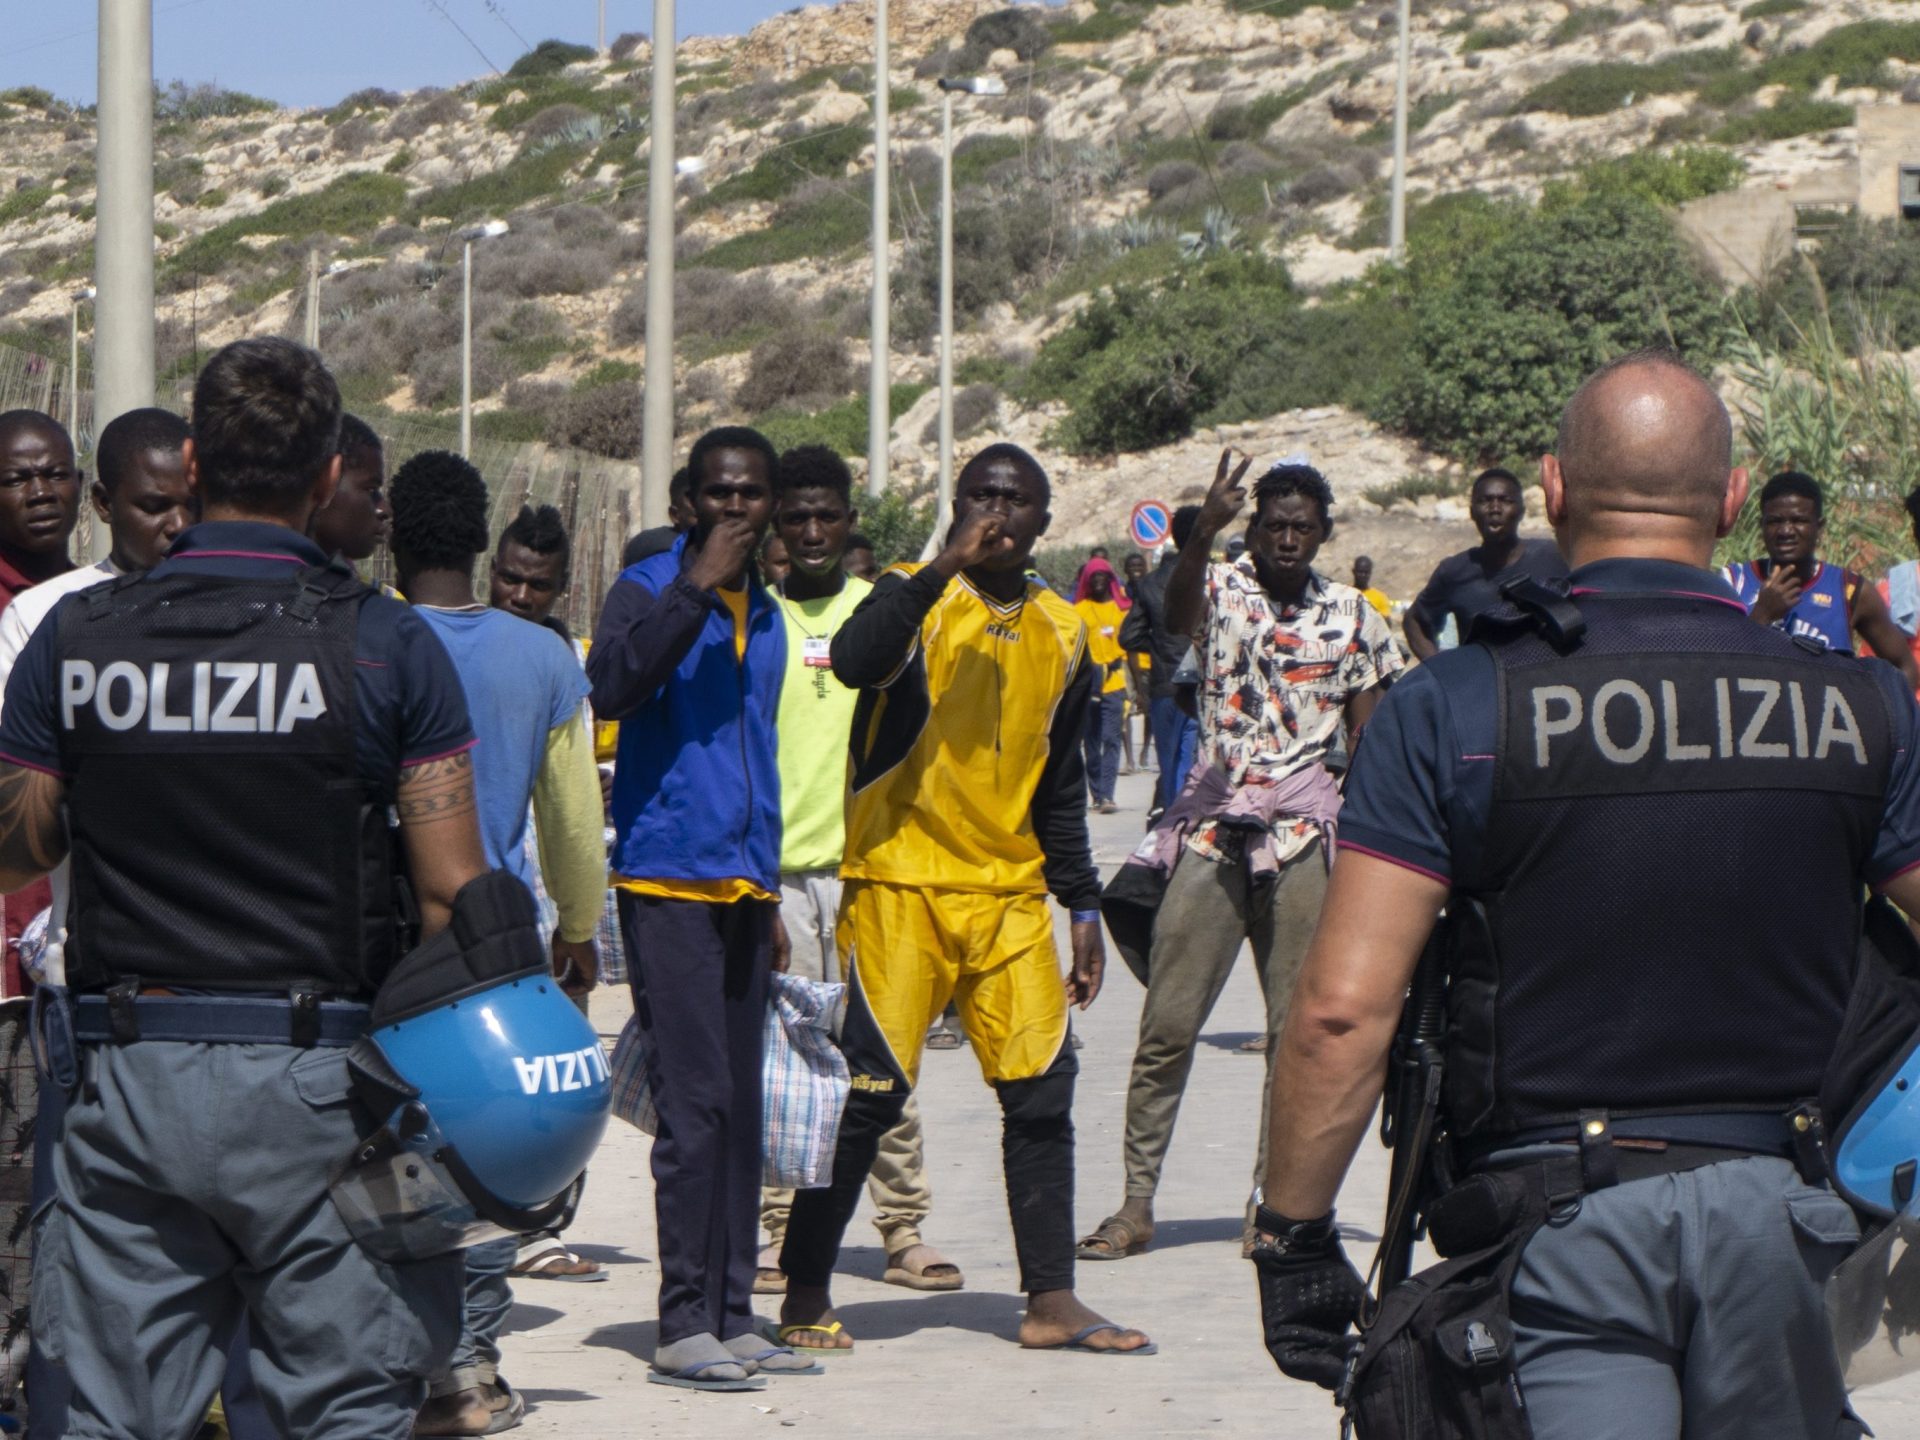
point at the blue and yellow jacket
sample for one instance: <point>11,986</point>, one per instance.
<point>696,785</point>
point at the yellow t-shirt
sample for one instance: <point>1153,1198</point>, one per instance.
<point>948,755</point>
<point>716,892</point>
<point>1378,600</point>
<point>1103,619</point>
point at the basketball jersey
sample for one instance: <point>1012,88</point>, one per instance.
<point>1824,611</point>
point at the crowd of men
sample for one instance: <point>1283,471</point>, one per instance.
<point>775,755</point>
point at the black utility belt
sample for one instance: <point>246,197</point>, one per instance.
<point>1615,1150</point>
<point>303,1018</point>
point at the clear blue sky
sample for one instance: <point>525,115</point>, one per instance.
<point>312,52</point>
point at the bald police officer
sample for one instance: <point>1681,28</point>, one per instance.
<point>1648,1003</point>
<point>217,745</point>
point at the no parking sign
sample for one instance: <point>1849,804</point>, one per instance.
<point>1150,525</point>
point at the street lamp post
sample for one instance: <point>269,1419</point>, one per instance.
<point>976,85</point>
<point>1397,216</point>
<point>656,434</point>
<point>879,326</point>
<point>487,230</point>
<point>80,297</point>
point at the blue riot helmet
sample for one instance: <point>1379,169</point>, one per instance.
<point>488,1087</point>
<point>1876,1157</point>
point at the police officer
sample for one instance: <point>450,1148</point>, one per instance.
<point>1651,997</point>
<point>217,745</point>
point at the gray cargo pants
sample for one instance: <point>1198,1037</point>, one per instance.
<point>1687,1307</point>
<point>191,1184</point>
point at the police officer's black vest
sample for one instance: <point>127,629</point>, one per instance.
<point>220,833</point>
<point>1683,806</point>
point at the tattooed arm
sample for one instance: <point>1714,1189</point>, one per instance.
<point>32,839</point>
<point>440,828</point>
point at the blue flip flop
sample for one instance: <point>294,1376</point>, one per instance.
<point>1078,1343</point>
<point>689,1378</point>
<point>812,1367</point>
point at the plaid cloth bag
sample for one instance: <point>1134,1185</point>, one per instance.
<point>804,1079</point>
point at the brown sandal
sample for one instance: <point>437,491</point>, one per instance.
<point>1114,1239</point>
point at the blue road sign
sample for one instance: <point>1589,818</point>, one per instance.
<point>1150,525</point>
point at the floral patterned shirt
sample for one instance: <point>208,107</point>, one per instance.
<point>1275,681</point>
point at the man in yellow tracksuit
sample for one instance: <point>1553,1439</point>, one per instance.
<point>968,805</point>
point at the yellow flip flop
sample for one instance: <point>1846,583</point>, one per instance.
<point>787,1332</point>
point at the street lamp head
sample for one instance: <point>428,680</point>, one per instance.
<point>338,267</point>
<point>485,230</point>
<point>689,165</point>
<point>976,85</point>
<point>84,294</point>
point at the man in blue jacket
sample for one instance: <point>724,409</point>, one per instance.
<point>689,657</point>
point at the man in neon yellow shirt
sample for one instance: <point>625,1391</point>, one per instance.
<point>1094,600</point>
<point>813,518</point>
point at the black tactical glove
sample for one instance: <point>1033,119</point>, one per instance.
<point>1310,1296</point>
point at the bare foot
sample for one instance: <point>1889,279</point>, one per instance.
<point>1054,1317</point>
<point>811,1306</point>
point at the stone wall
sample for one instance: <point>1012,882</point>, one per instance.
<point>1889,138</point>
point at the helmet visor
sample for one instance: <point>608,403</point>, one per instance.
<point>400,1198</point>
<point>1873,1305</point>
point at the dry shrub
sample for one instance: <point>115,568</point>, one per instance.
<point>1171,175</point>
<point>350,137</point>
<point>428,108</point>
<point>710,304</point>
<point>604,419</point>
<point>799,368</point>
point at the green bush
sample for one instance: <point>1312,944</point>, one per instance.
<point>897,526</point>
<point>820,153</point>
<point>816,228</point>
<point>1864,280</point>
<point>1788,116</point>
<point>354,204</point>
<point>1491,37</point>
<point>25,201</point>
<point>1854,55</point>
<point>1583,20</point>
<point>1666,177</point>
<point>1766,9</point>
<point>29,97</point>
<point>1596,89</point>
<point>527,177</point>
<point>1343,353</point>
<point>177,100</point>
<point>843,428</point>
<point>398,163</point>
<point>1140,366</point>
<point>1495,353</point>
<point>549,57</point>
<point>542,94</point>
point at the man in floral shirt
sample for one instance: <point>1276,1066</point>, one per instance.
<point>1287,658</point>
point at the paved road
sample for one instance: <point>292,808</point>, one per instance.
<point>947,1365</point>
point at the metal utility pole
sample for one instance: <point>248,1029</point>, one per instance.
<point>657,411</point>
<point>123,236</point>
<point>313,298</point>
<point>1397,217</point>
<point>879,327</point>
<point>602,46</point>
<point>943,503</point>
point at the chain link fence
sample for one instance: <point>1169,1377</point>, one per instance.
<point>598,498</point>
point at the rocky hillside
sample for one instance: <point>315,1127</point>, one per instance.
<point>1135,137</point>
